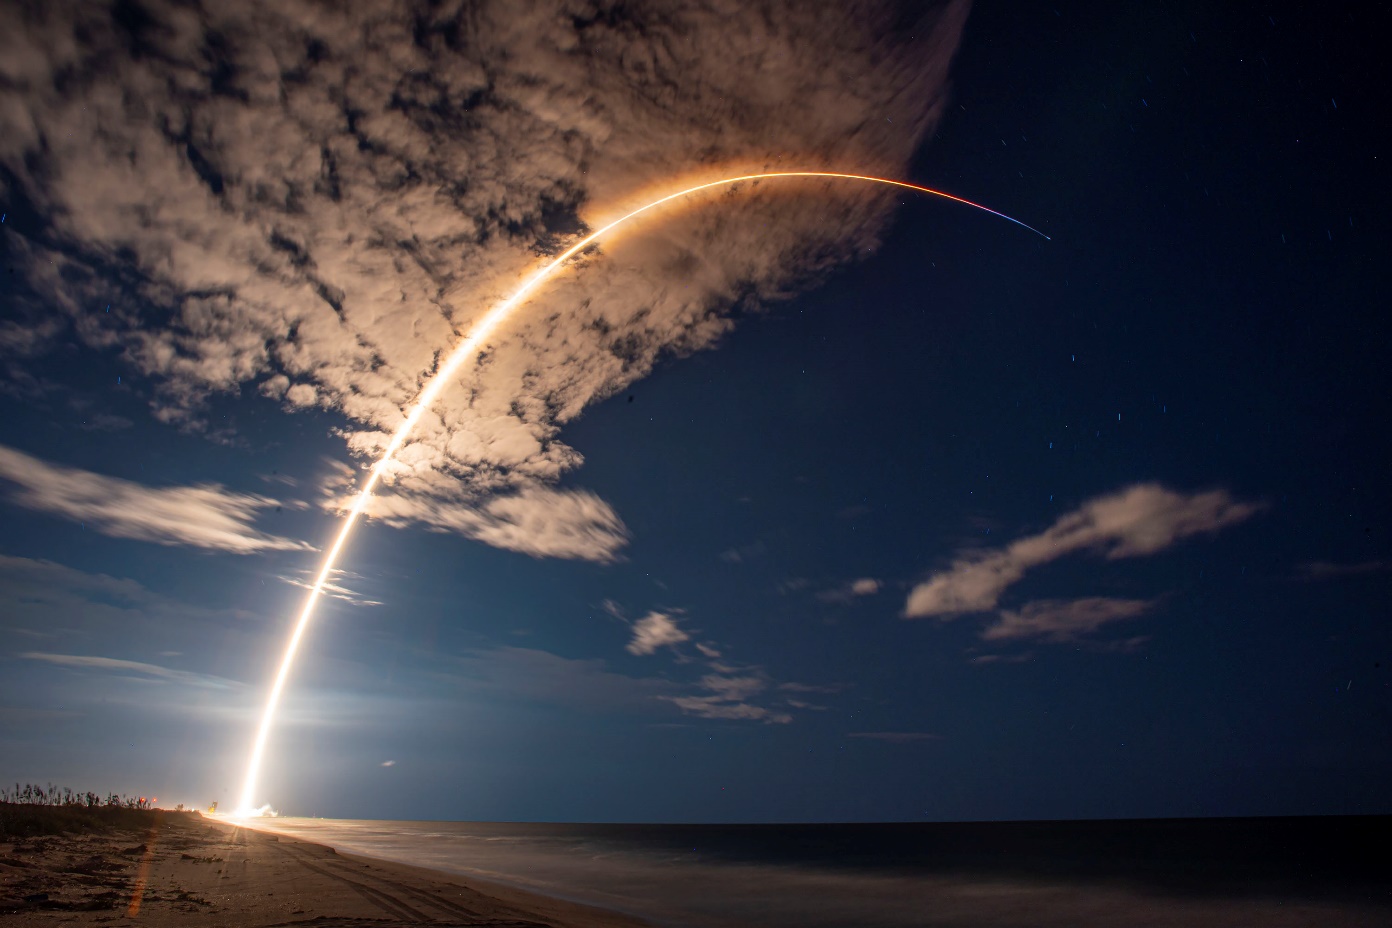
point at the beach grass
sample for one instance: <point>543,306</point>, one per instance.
<point>31,810</point>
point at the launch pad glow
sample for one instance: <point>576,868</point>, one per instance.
<point>466,349</point>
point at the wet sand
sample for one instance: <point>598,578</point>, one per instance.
<point>190,870</point>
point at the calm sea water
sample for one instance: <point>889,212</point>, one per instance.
<point>1190,872</point>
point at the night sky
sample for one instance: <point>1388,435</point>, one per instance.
<point>801,503</point>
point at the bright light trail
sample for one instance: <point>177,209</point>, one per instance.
<point>467,349</point>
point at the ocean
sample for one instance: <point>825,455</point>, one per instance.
<point>1193,872</point>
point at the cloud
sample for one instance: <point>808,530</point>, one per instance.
<point>728,695</point>
<point>24,577</point>
<point>134,668</point>
<point>1140,520</point>
<point>729,691</point>
<point>1001,658</point>
<point>799,704</point>
<point>56,601</point>
<point>865,586</point>
<point>896,737</point>
<point>539,521</point>
<point>1327,570</point>
<point>388,763</point>
<point>655,630</point>
<point>812,687</point>
<point>536,676</point>
<point>203,516</point>
<point>743,553</point>
<point>1062,620</point>
<point>310,203</point>
<point>333,589</point>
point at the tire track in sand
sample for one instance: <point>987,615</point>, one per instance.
<point>384,901</point>
<point>449,907</point>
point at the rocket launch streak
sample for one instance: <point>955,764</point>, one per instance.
<point>466,349</point>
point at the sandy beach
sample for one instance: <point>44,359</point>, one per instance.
<point>188,869</point>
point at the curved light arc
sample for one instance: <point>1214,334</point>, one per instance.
<point>466,349</point>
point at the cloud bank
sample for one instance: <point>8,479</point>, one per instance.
<point>312,202</point>
<point>204,516</point>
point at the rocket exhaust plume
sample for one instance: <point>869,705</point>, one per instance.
<point>466,349</point>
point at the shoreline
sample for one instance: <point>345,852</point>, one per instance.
<point>165,869</point>
<point>191,868</point>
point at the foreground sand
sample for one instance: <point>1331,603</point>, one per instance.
<point>189,870</point>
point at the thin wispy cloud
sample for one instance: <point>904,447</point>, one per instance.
<point>812,687</point>
<point>848,592</point>
<point>138,669</point>
<point>735,693</point>
<point>719,706</point>
<point>328,197</point>
<point>334,587</point>
<point>24,577</point>
<point>1330,570</point>
<point>535,676</point>
<point>45,600</point>
<point>540,677</point>
<point>1140,520</point>
<point>1062,620</point>
<point>743,553</point>
<point>202,516</point>
<point>1001,658</point>
<point>728,690</point>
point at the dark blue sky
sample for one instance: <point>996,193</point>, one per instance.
<point>978,526</point>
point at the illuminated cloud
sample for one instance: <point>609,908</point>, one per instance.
<point>1140,520</point>
<point>202,516</point>
<point>728,690</point>
<point>1062,620</point>
<point>539,521</point>
<point>309,203</point>
<point>333,588</point>
<point>728,694</point>
<point>655,630</point>
<point>536,676</point>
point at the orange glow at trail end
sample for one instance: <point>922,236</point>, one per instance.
<point>466,349</point>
